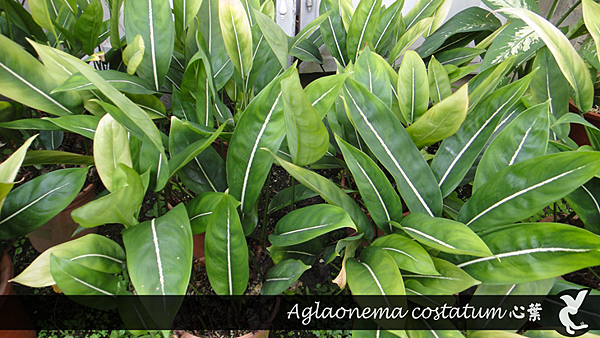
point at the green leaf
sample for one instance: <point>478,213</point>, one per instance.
<point>200,208</point>
<point>407,254</point>
<point>134,54</point>
<point>307,136</point>
<point>362,27</point>
<point>439,83</point>
<point>486,81</point>
<point>458,152</point>
<point>377,193</point>
<point>330,193</point>
<point>89,26</point>
<point>422,9</point>
<point>333,32</point>
<point>389,20</point>
<point>517,39</point>
<point>524,138</point>
<point>459,56</point>
<point>237,35</point>
<point>451,280</point>
<point>120,81</point>
<point>185,11</point>
<point>585,201</point>
<point>568,60</point>
<point>306,252</point>
<point>226,249</point>
<point>591,10</point>
<point>36,202</point>
<point>409,38</point>
<point>543,253</point>
<point>261,125</point>
<point>549,83</point>
<point>519,191</point>
<point>413,88</point>
<point>84,125</point>
<point>93,251</point>
<point>116,207</point>
<point>40,11</point>
<point>21,18</point>
<point>573,118</point>
<point>295,227</point>
<point>39,157</point>
<point>392,146</point>
<point>323,91</point>
<point>371,74</point>
<point>499,4</point>
<point>445,235</point>
<point>10,167</point>
<point>442,120</point>
<point>111,147</point>
<point>282,276</point>
<point>27,81</point>
<point>284,198</point>
<point>307,51</point>
<point>275,36</point>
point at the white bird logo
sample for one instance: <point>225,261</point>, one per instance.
<point>571,309</point>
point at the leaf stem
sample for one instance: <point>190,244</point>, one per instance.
<point>552,9</point>
<point>293,195</point>
<point>564,17</point>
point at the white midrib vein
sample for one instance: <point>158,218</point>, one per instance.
<point>386,27</point>
<point>277,279</point>
<point>521,252</point>
<point>89,84</point>
<point>305,229</point>
<point>401,252</point>
<point>389,153</point>
<point>161,277</point>
<point>200,215</point>
<point>35,88</point>
<point>362,33</point>
<point>387,215</point>
<point>429,237</point>
<point>98,255</point>
<point>337,45</point>
<point>32,203</point>
<point>521,192</point>
<point>254,148</point>
<point>152,46</point>
<point>237,43</point>
<point>378,284</point>
<point>95,288</point>
<point>593,198</point>
<point>417,16</point>
<point>472,139</point>
<point>514,157</point>
<point>321,97</point>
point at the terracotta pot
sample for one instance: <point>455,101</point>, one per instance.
<point>11,310</point>
<point>578,133</point>
<point>60,228</point>
<point>199,245</point>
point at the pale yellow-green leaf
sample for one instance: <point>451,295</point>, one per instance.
<point>591,17</point>
<point>133,54</point>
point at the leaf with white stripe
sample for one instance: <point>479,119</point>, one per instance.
<point>121,81</point>
<point>93,251</point>
<point>486,81</point>
<point>75,279</point>
<point>200,208</point>
<point>111,147</point>
<point>28,81</point>
<point>527,252</point>
<point>323,91</point>
<point>184,12</point>
<point>568,60</point>
<point>517,39</point>
<point>330,192</point>
<point>451,280</point>
<point>459,56</point>
<point>408,254</point>
<point>521,190</point>
<point>307,252</point>
<point>362,27</point>
<point>591,11</point>
<point>237,34</point>
<point>458,152</point>
<point>334,33</point>
<point>585,201</point>
<point>89,27</point>
<point>159,254</point>
<point>36,202</point>
<point>377,192</point>
<point>304,224</point>
<point>282,276</point>
<point>413,87</point>
<point>409,38</point>
<point>422,9</point>
<point>372,75</point>
<point>10,167</point>
<point>226,250</point>
<point>389,21</point>
<point>274,36</point>
<point>524,138</point>
<point>84,125</point>
<point>262,125</point>
<point>391,144</point>
<point>439,82</point>
<point>444,234</point>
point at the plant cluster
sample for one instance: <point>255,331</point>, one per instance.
<point>391,117</point>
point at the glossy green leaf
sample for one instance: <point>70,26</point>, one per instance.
<point>585,201</point>
<point>36,202</point>
<point>116,207</point>
<point>524,138</point>
<point>200,208</point>
<point>226,250</point>
<point>237,34</point>
<point>134,54</point>
<point>282,276</point>
<point>50,139</point>
<point>275,36</point>
<point>591,11</point>
<point>391,144</point>
<point>284,198</point>
<point>295,227</point>
<point>439,83</point>
<point>516,39</point>
<point>20,17</point>
<point>41,13</point>
<point>362,27</point>
<point>10,167</point>
<point>93,251</point>
<point>39,157</point>
<point>307,136</point>
<point>541,253</point>
<point>84,125</point>
<point>549,83</point>
<point>307,51</point>
<point>442,120</point>
<point>33,123</point>
<point>407,254</point>
<point>111,147</point>
<point>305,32</point>
<point>185,11</point>
<point>458,56</point>
<point>27,81</point>
<point>422,9</point>
<point>389,20</point>
<point>499,4</point>
<point>333,31</point>
<point>519,191</point>
<point>89,26</point>
<point>486,81</point>
<point>261,125</point>
<point>373,75</point>
<point>451,280</point>
<point>413,88</point>
<point>332,252</point>
<point>376,191</point>
<point>323,91</point>
<point>409,38</point>
<point>307,252</point>
<point>568,60</point>
<point>458,152</point>
<point>444,234</point>
<point>153,21</point>
<point>330,193</point>
<point>120,81</point>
